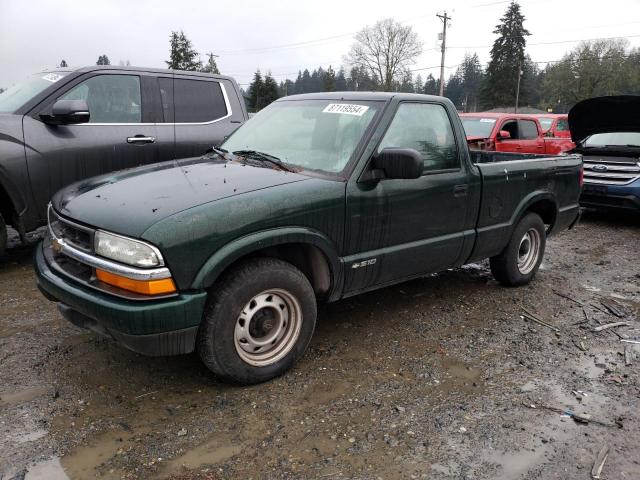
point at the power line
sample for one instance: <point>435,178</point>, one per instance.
<point>554,42</point>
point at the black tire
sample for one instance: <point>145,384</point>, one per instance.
<point>232,296</point>
<point>505,266</point>
<point>3,237</point>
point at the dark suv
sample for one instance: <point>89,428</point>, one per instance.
<point>62,126</point>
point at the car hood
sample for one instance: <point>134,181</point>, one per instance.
<point>130,201</point>
<point>604,114</point>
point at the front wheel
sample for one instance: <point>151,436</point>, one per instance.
<point>258,321</point>
<point>518,263</point>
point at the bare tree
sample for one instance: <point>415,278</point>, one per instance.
<point>386,50</point>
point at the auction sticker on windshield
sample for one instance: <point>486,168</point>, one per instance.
<point>346,108</point>
<point>488,120</point>
<point>52,77</point>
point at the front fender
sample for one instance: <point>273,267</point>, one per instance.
<point>253,242</point>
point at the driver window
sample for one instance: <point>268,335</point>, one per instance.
<point>111,98</point>
<point>511,126</point>
<point>424,127</point>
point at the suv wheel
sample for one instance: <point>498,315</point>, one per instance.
<point>520,260</point>
<point>258,321</point>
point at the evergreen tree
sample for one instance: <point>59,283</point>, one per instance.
<point>211,66</point>
<point>463,86</point>
<point>297,85</point>
<point>63,63</point>
<point>507,60</point>
<point>341,81</point>
<point>431,86</point>
<point>418,85</point>
<point>306,84</point>
<point>406,84</point>
<point>256,89</point>
<point>270,91</point>
<point>103,60</point>
<point>330,80</point>
<point>182,55</point>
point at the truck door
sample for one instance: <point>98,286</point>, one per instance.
<point>531,140</point>
<point>397,229</point>
<point>511,144</point>
<point>120,134</point>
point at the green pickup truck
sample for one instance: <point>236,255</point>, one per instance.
<point>318,197</point>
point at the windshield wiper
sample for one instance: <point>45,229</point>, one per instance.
<point>630,145</point>
<point>220,152</point>
<point>264,157</point>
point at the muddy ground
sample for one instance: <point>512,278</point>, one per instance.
<point>430,379</point>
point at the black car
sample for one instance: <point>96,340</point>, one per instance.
<point>61,126</point>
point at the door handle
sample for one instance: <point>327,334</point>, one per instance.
<point>140,139</point>
<point>460,190</point>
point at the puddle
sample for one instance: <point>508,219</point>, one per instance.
<point>216,450</point>
<point>48,470</point>
<point>515,464</point>
<point>21,396</point>
<point>83,462</point>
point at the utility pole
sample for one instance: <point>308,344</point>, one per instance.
<point>445,18</point>
<point>520,72</point>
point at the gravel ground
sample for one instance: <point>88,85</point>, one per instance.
<point>435,378</point>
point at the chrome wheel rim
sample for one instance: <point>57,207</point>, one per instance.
<point>528,251</point>
<point>268,327</point>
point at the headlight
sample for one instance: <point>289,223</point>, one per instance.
<point>126,250</point>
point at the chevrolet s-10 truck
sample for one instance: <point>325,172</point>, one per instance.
<point>318,197</point>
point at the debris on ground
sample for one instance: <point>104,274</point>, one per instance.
<point>611,325</point>
<point>613,307</point>
<point>598,464</point>
<point>534,318</point>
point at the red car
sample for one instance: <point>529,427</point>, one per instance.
<point>510,132</point>
<point>554,125</point>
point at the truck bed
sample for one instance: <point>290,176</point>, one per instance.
<point>510,180</point>
<point>483,156</point>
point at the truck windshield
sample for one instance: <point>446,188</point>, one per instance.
<point>310,134</point>
<point>17,95</point>
<point>478,127</point>
<point>623,139</point>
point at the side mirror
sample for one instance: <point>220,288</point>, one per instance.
<point>503,135</point>
<point>398,163</point>
<point>68,112</point>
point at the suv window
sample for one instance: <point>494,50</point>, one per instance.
<point>426,128</point>
<point>197,101</point>
<point>528,129</point>
<point>111,98</point>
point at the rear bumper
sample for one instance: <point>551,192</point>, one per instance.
<point>155,327</point>
<point>624,197</point>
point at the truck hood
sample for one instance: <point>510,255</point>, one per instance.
<point>603,115</point>
<point>130,201</point>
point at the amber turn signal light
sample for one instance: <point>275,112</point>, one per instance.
<point>144,287</point>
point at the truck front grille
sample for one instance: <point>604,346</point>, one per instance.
<point>77,235</point>
<point>611,170</point>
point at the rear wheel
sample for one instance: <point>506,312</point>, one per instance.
<point>518,263</point>
<point>258,321</point>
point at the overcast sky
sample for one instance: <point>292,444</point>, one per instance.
<point>285,35</point>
